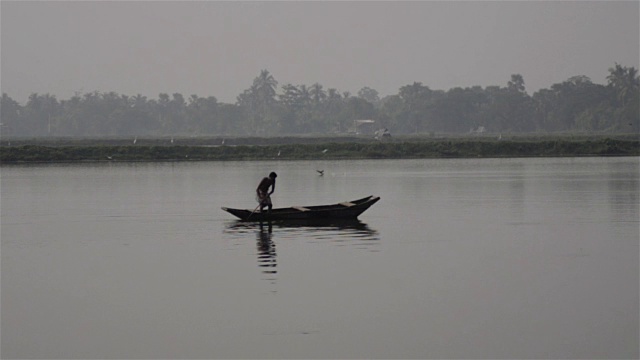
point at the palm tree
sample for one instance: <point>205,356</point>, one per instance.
<point>265,86</point>
<point>624,80</point>
<point>317,94</point>
<point>259,104</point>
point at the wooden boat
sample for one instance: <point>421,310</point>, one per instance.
<point>343,210</point>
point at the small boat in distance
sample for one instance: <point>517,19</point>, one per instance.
<point>344,210</point>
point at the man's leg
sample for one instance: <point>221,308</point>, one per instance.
<point>262,202</point>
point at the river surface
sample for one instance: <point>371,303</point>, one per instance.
<point>482,258</point>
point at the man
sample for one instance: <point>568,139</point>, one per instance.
<point>263,196</point>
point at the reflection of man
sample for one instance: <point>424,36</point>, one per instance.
<point>266,251</point>
<point>263,196</point>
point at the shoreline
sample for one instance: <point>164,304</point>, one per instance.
<point>311,148</point>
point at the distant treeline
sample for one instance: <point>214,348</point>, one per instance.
<point>264,109</point>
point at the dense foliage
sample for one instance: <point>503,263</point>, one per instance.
<point>575,105</point>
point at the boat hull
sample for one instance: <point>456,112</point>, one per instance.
<point>345,210</point>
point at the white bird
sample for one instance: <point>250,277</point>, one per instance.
<point>135,140</point>
<point>321,172</point>
<point>172,140</point>
<point>278,152</point>
<point>109,157</point>
<point>325,151</point>
<point>222,142</point>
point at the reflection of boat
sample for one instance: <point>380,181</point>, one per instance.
<point>351,225</point>
<point>344,210</point>
<point>341,230</point>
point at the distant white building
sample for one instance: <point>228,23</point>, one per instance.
<point>479,130</point>
<point>363,126</point>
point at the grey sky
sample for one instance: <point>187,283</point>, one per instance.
<point>217,48</point>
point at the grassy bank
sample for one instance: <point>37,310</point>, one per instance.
<point>313,149</point>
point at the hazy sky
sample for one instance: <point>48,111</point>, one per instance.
<point>216,49</point>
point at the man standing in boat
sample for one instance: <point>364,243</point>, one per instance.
<point>263,195</point>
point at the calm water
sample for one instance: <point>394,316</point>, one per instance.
<point>512,258</point>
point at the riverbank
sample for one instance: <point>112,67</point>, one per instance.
<point>312,148</point>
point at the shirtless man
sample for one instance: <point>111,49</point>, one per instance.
<point>263,196</point>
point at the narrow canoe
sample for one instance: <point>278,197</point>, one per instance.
<point>344,210</point>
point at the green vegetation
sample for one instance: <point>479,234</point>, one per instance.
<point>314,149</point>
<point>266,110</point>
